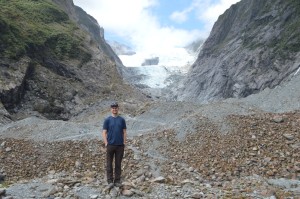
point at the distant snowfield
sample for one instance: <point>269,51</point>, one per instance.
<point>155,76</point>
<point>175,61</point>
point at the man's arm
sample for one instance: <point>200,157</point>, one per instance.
<point>104,136</point>
<point>124,136</point>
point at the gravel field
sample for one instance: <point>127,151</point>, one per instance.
<point>237,148</point>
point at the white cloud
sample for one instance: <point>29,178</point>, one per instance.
<point>118,16</point>
<point>179,17</point>
<point>206,11</point>
<point>209,11</point>
<point>133,20</point>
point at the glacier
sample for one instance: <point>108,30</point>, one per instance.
<point>176,61</point>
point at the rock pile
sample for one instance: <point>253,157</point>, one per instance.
<point>257,158</point>
<point>24,159</point>
<point>266,145</point>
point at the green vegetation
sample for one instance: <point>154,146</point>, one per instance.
<point>35,26</point>
<point>288,39</point>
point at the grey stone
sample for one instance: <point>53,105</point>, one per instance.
<point>237,60</point>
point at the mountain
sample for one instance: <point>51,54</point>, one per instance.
<point>254,45</point>
<point>195,47</point>
<point>55,65</point>
<point>54,61</point>
<point>120,49</point>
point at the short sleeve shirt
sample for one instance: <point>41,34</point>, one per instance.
<point>115,127</point>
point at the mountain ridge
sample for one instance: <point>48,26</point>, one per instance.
<point>53,108</point>
<point>55,62</point>
<point>252,46</point>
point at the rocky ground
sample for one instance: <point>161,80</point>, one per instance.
<point>233,149</point>
<point>259,158</point>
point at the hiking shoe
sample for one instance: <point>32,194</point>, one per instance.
<point>110,185</point>
<point>118,184</point>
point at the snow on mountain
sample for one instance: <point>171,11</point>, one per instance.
<point>153,76</point>
<point>153,70</point>
<point>174,61</point>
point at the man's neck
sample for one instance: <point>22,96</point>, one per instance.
<point>115,115</point>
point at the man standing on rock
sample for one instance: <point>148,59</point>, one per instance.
<point>114,137</point>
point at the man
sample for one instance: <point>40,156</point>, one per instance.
<point>114,137</point>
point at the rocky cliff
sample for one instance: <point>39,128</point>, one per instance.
<point>54,61</point>
<point>254,45</point>
<point>91,25</point>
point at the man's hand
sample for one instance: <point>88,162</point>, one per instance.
<point>104,136</point>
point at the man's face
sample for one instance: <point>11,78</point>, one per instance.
<point>114,110</point>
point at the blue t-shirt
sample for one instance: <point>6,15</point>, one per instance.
<point>114,127</point>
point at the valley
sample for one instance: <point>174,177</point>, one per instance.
<point>223,122</point>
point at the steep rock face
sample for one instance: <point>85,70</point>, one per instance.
<point>68,7</point>
<point>49,65</point>
<point>252,46</point>
<point>90,24</point>
<point>195,47</point>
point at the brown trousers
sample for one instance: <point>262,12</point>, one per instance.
<point>114,152</point>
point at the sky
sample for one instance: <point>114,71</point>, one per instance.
<point>155,25</point>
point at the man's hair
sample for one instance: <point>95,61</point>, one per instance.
<point>114,104</point>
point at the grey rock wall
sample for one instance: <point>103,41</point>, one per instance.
<point>48,86</point>
<point>252,46</point>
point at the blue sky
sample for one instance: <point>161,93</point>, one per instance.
<point>166,12</point>
<point>155,25</point>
